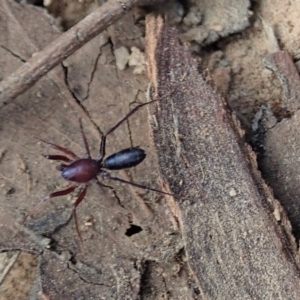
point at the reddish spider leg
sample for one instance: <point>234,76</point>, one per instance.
<point>59,148</point>
<point>77,202</point>
<point>52,195</point>
<point>58,157</point>
<point>68,190</point>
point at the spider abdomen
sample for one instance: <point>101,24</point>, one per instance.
<point>126,158</point>
<point>81,170</point>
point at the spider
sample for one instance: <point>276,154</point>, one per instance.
<point>81,171</point>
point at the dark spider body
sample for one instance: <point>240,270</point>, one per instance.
<point>126,158</point>
<point>84,170</point>
<point>81,171</point>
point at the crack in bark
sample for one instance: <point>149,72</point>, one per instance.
<point>13,54</point>
<point>84,279</point>
<point>79,103</point>
<point>93,72</point>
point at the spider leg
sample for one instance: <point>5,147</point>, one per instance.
<point>103,139</point>
<point>67,191</point>
<point>58,157</point>
<point>77,202</point>
<point>59,148</point>
<point>85,142</point>
<point>108,176</point>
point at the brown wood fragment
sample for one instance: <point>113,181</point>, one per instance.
<point>281,142</point>
<point>235,248</point>
<point>281,63</point>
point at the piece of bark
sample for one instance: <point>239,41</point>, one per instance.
<point>281,63</point>
<point>235,248</point>
<point>279,143</point>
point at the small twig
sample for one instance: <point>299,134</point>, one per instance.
<point>24,169</point>
<point>66,44</point>
<point>8,267</point>
<point>2,153</point>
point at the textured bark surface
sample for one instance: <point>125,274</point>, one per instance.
<point>279,142</point>
<point>235,247</point>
